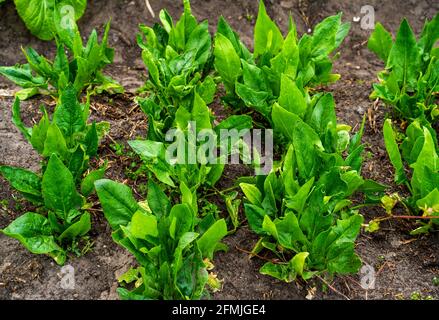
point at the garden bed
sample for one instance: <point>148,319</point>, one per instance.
<point>403,264</point>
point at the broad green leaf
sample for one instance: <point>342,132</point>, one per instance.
<point>157,200</point>
<point>55,142</point>
<point>117,202</point>
<point>298,262</point>
<point>252,98</point>
<point>255,216</point>
<point>404,57</point>
<point>58,187</point>
<point>393,152</point>
<point>34,232</point>
<point>291,98</point>
<point>252,193</point>
<point>200,113</point>
<point>278,271</point>
<point>210,239</point>
<point>39,133</point>
<point>380,42</point>
<point>68,113</point>
<point>225,29</point>
<point>287,61</point>
<point>143,225</point>
<point>38,14</point>
<point>16,119</point>
<point>428,160</point>
<point>182,220</point>
<point>22,76</point>
<point>268,38</point>
<point>77,229</point>
<point>430,34</point>
<point>87,184</point>
<point>24,181</point>
<point>227,62</point>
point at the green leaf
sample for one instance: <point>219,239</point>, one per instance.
<point>238,122</point>
<point>298,262</point>
<point>38,14</point>
<point>34,232</point>
<point>87,184</point>
<point>252,98</point>
<point>278,271</point>
<point>252,193</point>
<point>393,152</point>
<point>77,229</point>
<point>287,61</point>
<point>425,167</point>
<point>39,133</point>
<point>27,93</point>
<point>16,119</point>
<point>291,98</point>
<point>22,76</point>
<point>58,187</point>
<point>143,225</point>
<point>117,202</point>
<point>157,200</point>
<point>404,57</point>
<point>380,42</point>
<point>209,240</point>
<point>430,203</point>
<point>68,113</point>
<point>200,113</point>
<point>255,216</point>
<point>227,62</point>
<point>153,154</point>
<point>268,38</point>
<point>55,142</point>
<point>430,34</point>
<point>24,181</point>
<point>182,220</point>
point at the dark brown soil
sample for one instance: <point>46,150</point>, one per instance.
<point>402,264</point>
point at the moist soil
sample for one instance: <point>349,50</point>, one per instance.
<point>402,264</point>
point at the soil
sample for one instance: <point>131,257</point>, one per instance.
<point>402,264</point>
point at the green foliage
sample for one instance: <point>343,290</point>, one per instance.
<point>81,66</point>
<point>178,58</point>
<point>170,243</point>
<point>38,15</point>
<point>254,80</point>
<point>67,143</point>
<point>302,210</point>
<point>410,81</point>
<point>418,151</point>
<point>170,168</point>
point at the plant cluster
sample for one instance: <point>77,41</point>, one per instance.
<point>80,65</point>
<point>410,84</point>
<point>66,143</point>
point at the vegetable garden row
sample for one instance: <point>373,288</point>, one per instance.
<point>302,210</point>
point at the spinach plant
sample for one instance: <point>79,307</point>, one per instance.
<point>160,159</point>
<point>38,14</point>
<point>410,81</point>
<point>178,58</point>
<point>302,209</point>
<point>254,80</point>
<point>172,246</point>
<point>66,143</point>
<point>82,65</point>
<point>418,151</point>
